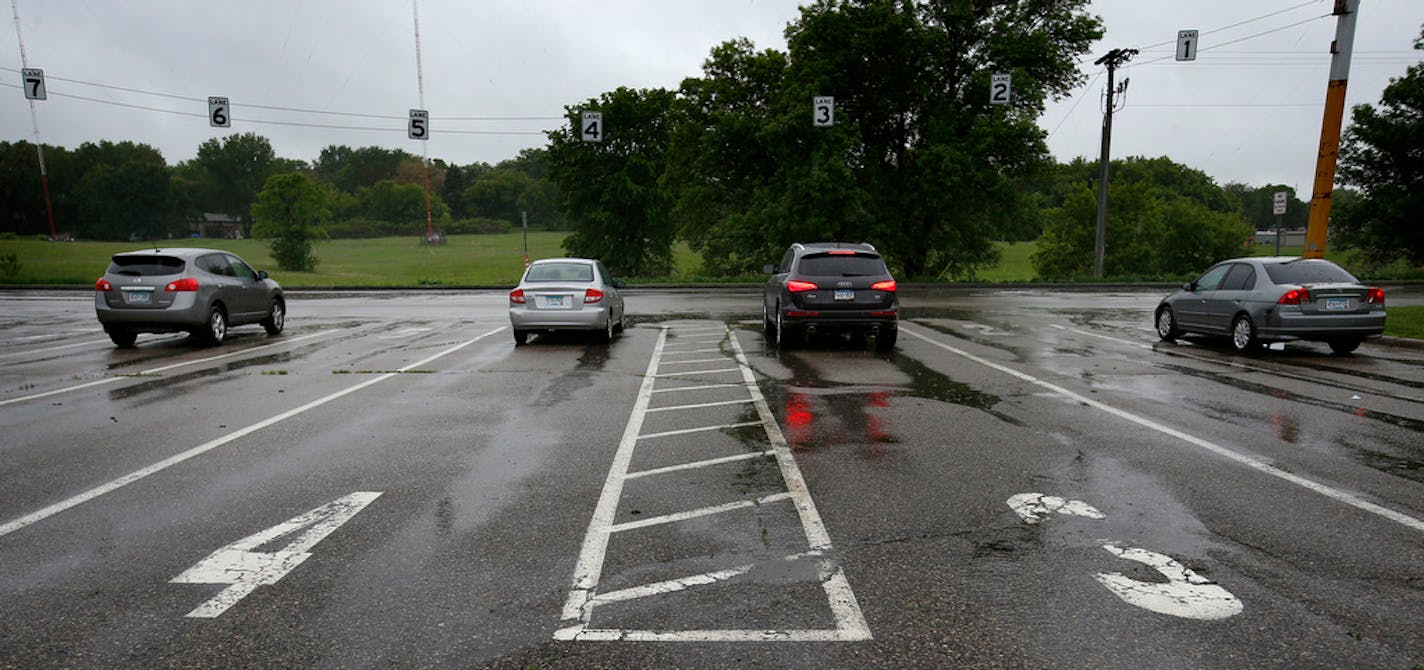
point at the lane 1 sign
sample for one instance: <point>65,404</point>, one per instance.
<point>1187,44</point>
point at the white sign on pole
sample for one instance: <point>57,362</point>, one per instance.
<point>219,113</point>
<point>1187,44</point>
<point>1279,203</point>
<point>592,127</point>
<point>419,126</point>
<point>823,111</point>
<point>33,83</point>
<point>1000,89</point>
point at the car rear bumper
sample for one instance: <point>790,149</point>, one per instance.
<point>181,315</point>
<point>1323,327</point>
<point>828,320</point>
<point>585,318</point>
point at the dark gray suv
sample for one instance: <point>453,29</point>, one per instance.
<point>831,287</point>
<point>200,291</point>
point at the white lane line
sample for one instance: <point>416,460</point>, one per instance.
<point>578,605</point>
<point>707,329</point>
<point>673,408</point>
<point>719,359</point>
<point>695,513</point>
<point>1248,461</point>
<point>605,635</point>
<point>682,583</point>
<point>703,429</point>
<point>703,387</point>
<point>685,373</point>
<point>166,463</point>
<point>110,380</point>
<point>694,343</point>
<point>700,464</point>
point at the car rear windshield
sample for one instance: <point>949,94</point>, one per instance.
<point>145,266</point>
<point>841,265</point>
<point>1309,272</point>
<point>560,272</point>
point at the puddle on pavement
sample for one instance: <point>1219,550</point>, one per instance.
<point>562,389</point>
<point>173,386</point>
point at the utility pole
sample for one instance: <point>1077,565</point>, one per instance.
<point>1318,229</point>
<point>1112,60</point>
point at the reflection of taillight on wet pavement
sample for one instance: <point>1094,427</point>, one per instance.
<point>798,420</point>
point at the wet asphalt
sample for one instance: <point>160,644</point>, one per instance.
<point>858,515</point>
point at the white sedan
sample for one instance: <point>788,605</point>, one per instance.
<point>566,294</point>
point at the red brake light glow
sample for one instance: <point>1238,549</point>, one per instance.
<point>1294,296</point>
<point>884,285</point>
<point>841,252</point>
<point>517,296</point>
<point>186,284</point>
<point>592,295</point>
<point>796,286</point>
<point>103,285</point>
<point>1375,296</point>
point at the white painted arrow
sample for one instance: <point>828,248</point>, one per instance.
<point>1032,506</point>
<point>245,570</point>
<point>1187,594</point>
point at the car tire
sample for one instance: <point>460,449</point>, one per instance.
<point>215,329</point>
<point>885,339</point>
<point>785,335</point>
<point>276,318</point>
<point>123,339</point>
<point>521,337</point>
<point>1344,347</point>
<point>1167,324</point>
<point>607,334</point>
<point>768,326</point>
<point>1243,335</point>
<point>620,326</point>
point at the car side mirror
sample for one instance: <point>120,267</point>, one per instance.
<point>619,283</point>
<point>261,274</point>
<point>768,269</point>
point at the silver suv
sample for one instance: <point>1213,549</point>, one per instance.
<point>201,291</point>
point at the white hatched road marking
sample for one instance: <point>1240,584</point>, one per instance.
<point>704,387</point>
<point>1255,464</point>
<point>713,350</point>
<point>850,624</point>
<point>687,373</point>
<point>695,360</point>
<point>171,461</point>
<point>700,405</point>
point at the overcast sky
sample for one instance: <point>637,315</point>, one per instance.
<point>1248,111</point>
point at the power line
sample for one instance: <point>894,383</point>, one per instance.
<point>1237,24</point>
<point>1075,105</point>
<point>1235,41</point>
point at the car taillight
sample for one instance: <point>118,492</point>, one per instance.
<point>517,296</point>
<point>1375,296</point>
<point>592,295</point>
<point>795,286</point>
<point>1294,296</point>
<point>884,285</point>
<point>103,285</point>
<point>188,284</point>
<point>841,252</point>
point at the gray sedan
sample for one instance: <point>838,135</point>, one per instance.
<point>1255,301</point>
<point>201,291</point>
<point>566,294</point>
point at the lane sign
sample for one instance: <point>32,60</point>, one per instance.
<point>1000,88</point>
<point>33,83</point>
<point>1187,44</point>
<point>419,126</point>
<point>591,128</point>
<point>1278,204</point>
<point>244,569</point>
<point>823,111</point>
<point>219,114</point>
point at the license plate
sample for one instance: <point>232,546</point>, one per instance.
<point>1337,304</point>
<point>555,301</point>
<point>138,297</point>
<point>845,294</point>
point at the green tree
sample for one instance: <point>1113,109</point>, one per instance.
<point>498,194</point>
<point>917,162</point>
<point>291,213</point>
<point>1258,205</point>
<point>1381,157</point>
<point>126,201</point>
<point>1164,220</point>
<point>350,169</point>
<point>232,171</point>
<point>400,204</point>
<point>611,195</point>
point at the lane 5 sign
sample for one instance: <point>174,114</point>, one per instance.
<point>419,126</point>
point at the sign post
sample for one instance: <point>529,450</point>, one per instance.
<point>1278,207</point>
